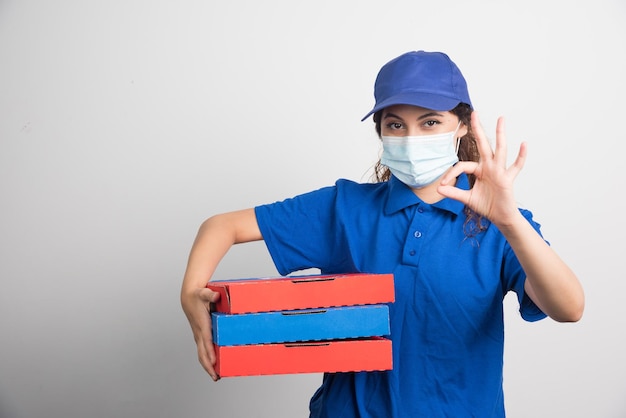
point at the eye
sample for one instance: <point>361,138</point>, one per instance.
<point>431,123</point>
<point>394,126</point>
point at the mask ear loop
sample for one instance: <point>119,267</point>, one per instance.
<point>458,139</point>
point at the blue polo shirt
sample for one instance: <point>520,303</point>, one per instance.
<point>447,322</point>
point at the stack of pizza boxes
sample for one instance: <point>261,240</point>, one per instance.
<point>302,324</point>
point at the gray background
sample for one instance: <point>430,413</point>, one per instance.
<point>124,124</point>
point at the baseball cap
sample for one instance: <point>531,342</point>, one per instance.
<point>419,78</point>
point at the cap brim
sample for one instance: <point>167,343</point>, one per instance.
<point>421,99</point>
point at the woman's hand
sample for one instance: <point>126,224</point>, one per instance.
<point>215,237</point>
<point>197,306</point>
<point>492,195</point>
<point>550,283</point>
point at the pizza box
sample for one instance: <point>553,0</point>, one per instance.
<point>352,355</point>
<point>301,325</point>
<point>302,292</point>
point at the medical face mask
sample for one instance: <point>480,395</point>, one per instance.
<point>418,161</point>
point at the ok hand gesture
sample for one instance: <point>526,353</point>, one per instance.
<point>492,194</point>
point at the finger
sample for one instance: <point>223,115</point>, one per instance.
<point>484,148</point>
<point>455,193</point>
<point>204,335</point>
<point>501,148</point>
<point>208,296</point>
<point>468,167</point>
<point>206,355</point>
<point>206,350</point>
<point>519,162</point>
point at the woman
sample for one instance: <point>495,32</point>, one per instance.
<point>443,219</point>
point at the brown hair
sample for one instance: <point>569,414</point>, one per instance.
<point>468,151</point>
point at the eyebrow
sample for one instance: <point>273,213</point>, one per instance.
<point>424,116</point>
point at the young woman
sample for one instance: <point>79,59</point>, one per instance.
<point>443,219</point>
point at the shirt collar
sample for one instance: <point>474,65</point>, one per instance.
<point>401,196</point>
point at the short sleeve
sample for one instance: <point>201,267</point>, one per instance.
<point>300,232</point>
<point>517,278</point>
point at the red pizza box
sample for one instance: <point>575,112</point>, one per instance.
<point>367,354</point>
<point>302,292</point>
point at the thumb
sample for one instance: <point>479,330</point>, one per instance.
<point>209,295</point>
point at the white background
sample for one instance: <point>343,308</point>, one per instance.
<point>124,124</point>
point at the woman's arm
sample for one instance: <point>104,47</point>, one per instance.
<point>550,283</point>
<point>215,237</point>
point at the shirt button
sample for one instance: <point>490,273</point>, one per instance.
<point>412,252</point>
<point>420,210</point>
<point>417,234</point>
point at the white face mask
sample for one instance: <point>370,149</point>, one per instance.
<point>418,161</point>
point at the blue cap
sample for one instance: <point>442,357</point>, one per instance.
<point>426,79</point>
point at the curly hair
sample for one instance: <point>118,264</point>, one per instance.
<point>468,151</point>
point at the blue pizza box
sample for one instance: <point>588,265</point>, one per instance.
<point>300,325</point>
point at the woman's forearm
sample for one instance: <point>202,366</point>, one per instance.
<point>550,283</point>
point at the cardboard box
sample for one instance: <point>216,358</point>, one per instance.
<point>367,354</point>
<point>301,325</point>
<point>302,292</point>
